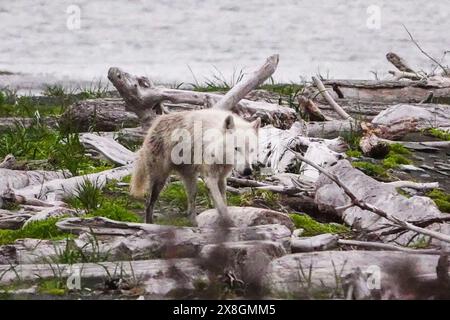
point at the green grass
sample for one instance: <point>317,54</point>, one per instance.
<point>53,287</point>
<point>440,134</point>
<point>354,153</point>
<point>174,196</point>
<point>39,142</point>
<point>43,229</point>
<point>313,228</point>
<point>441,198</point>
<point>111,201</point>
<point>371,169</point>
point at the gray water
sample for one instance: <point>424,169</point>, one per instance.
<point>164,39</point>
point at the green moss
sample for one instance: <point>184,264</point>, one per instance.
<point>54,287</point>
<point>398,148</point>
<point>354,153</point>
<point>371,169</point>
<point>441,198</point>
<point>42,229</point>
<point>393,160</point>
<point>313,228</point>
<point>421,243</point>
<point>114,211</point>
<point>440,134</point>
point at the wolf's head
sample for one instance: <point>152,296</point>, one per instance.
<point>241,143</point>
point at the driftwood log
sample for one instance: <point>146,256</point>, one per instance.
<point>378,194</point>
<point>289,274</point>
<point>146,100</point>
<point>98,115</point>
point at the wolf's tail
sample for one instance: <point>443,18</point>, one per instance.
<point>139,177</point>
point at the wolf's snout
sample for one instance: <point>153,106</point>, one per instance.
<point>247,172</point>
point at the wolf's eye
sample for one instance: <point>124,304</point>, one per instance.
<point>251,150</point>
<point>237,149</point>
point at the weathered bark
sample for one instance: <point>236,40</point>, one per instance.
<point>8,162</point>
<point>398,120</point>
<point>322,156</point>
<point>231,99</point>
<point>98,115</point>
<point>288,275</point>
<point>321,242</point>
<point>157,237</point>
<point>399,62</point>
<point>374,147</point>
<point>109,148</point>
<point>388,91</point>
<point>313,111</point>
<point>148,101</point>
<point>377,194</point>
<point>57,189</point>
<point>323,91</point>
<point>16,179</point>
<point>245,217</point>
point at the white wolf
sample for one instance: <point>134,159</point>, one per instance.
<point>206,143</point>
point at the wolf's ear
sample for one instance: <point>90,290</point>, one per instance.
<point>229,123</point>
<point>256,124</point>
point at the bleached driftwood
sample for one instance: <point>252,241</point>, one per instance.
<point>398,120</point>
<point>289,274</point>
<point>399,75</point>
<point>109,148</point>
<point>8,162</point>
<point>242,88</point>
<point>245,217</point>
<point>158,277</point>
<point>148,101</point>
<point>16,179</point>
<point>107,114</point>
<point>414,185</point>
<point>321,242</point>
<point>344,115</point>
<point>385,246</point>
<point>321,155</point>
<point>421,146</point>
<point>332,129</point>
<point>364,91</point>
<point>273,145</point>
<point>364,203</point>
<point>57,189</point>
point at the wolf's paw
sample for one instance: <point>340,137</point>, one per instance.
<point>226,222</point>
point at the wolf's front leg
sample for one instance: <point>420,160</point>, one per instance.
<point>213,185</point>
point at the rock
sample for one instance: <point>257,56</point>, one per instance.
<point>245,217</point>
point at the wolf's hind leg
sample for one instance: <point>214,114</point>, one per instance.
<point>190,183</point>
<point>156,185</point>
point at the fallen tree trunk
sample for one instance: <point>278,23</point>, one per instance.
<point>231,99</point>
<point>110,149</point>
<point>148,101</point>
<point>388,91</point>
<point>16,179</point>
<point>398,120</point>
<point>98,115</point>
<point>54,190</point>
<point>288,275</point>
<point>378,195</point>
